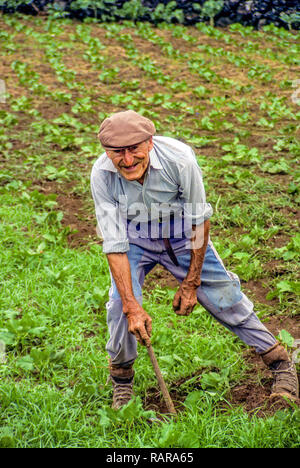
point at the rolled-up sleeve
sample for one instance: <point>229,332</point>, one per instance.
<point>192,192</point>
<point>111,222</point>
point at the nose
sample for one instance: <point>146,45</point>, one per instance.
<point>128,158</point>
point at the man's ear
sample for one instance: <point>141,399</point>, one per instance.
<point>151,144</point>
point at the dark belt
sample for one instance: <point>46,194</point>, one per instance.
<point>170,251</point>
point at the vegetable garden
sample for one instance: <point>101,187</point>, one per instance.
<point>233,94</point>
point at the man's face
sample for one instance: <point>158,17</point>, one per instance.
<point>132,162</point>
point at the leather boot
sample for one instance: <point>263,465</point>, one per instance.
<point>122,382</point>
<point>285,379</point>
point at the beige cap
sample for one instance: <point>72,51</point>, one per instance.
<point>125,128</point>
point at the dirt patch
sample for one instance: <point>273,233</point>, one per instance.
<point>277,323</point>
<point>82,225</point>
<point>159,276</point>
<point>257,292</point>
<point>253,394</point>
<point>82,232</point>
<point>155,402</point>
<point>255,399</point>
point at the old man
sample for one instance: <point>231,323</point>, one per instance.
<point>151,209</point>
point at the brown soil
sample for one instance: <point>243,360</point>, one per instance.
<point>82,226</point>
<point>159,276</point>
<point>253,394</point>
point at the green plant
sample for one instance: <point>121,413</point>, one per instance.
<point>106,8</point>
<point>290,18</point>
<point>211,8</point>
<point>286,338</point>
<point>283,288</point>
<point>167,12</point>
<point>132,10</point>
<point>238,153</point>
<point>276,166</point>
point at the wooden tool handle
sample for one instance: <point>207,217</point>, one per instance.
<point>161,381</point>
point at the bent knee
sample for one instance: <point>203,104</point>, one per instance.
<point>235,314</point>
<point>223,294</point>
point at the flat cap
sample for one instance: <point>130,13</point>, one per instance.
<point>125,128</point>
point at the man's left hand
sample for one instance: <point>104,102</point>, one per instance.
<point>185,299</point>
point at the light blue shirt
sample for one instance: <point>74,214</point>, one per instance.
<point>173,184</point>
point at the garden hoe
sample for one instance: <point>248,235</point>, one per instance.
<point>161,381</point>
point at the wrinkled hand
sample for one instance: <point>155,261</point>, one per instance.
<point>139,323</point>
<point>185,299</point>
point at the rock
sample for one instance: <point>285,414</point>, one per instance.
<point>250,12</point>
<point>223,22</point>
<point>262,22</point>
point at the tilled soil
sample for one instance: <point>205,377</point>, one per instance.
<point>253,394</point>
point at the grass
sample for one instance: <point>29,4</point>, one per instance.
<point>227,93</point>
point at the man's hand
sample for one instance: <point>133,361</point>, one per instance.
<point>139,323</point>
<point>185,299</point>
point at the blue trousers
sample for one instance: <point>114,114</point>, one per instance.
<point>219,293</point>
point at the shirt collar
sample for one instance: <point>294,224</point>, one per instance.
<point>107,164</point>
<point>154,161</point>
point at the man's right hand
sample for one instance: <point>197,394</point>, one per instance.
<point>139,323</point>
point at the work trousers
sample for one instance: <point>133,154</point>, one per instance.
<point>219,293</point>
